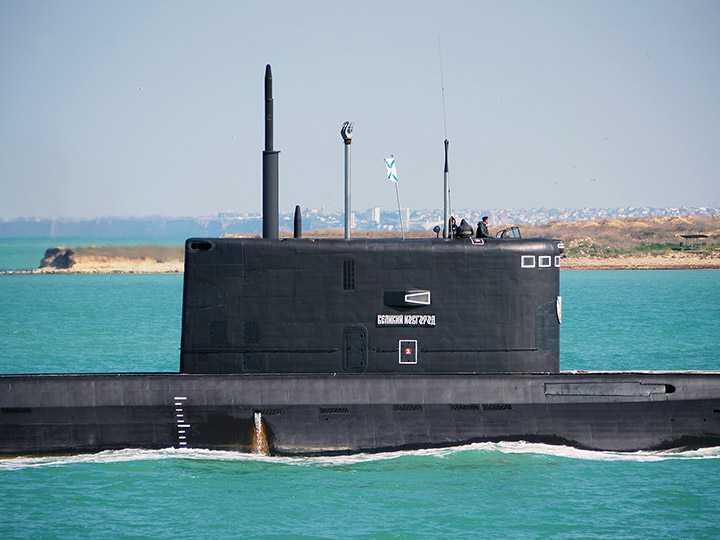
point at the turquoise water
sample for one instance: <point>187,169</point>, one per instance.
<point>640,319</point>
<point>98,323</point>
<point>485,491</point>
<point>76,323</point>
<point>611,320</point>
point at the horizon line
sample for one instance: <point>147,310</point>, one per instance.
<point>232,213</point>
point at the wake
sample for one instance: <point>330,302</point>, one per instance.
<point>475,450</point>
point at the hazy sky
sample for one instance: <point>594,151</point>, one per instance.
<point>156,107</point>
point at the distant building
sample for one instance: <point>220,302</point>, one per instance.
<point>373,219</point>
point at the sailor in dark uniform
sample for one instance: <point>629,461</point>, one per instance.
<point>482,230</point>
<point>453,227</point>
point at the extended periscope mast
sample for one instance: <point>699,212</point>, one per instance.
<point>306,346</point>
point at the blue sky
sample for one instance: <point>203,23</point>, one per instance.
<point>156,107</point>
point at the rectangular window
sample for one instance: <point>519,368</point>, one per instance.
<point>544,261</point>
<point>528,261</point>
<point>557,261</point>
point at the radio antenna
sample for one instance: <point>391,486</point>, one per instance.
<point>446,173</point>
<point>442,89</point>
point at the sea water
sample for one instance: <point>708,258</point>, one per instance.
<point>611,320</point>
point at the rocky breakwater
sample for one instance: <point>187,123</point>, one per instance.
<point>142,259</point>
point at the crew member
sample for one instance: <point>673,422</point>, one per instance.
<point>482,230</point>
<point>464,230</point>
<point>453,227</point>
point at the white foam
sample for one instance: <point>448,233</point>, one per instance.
<point>594,455</point>
<point>129,454</point>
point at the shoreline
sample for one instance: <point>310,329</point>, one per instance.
<point>674,261</point>
<point>111,266</point>
<point>670,261</point>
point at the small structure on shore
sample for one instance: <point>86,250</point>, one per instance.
<point>692,241</point>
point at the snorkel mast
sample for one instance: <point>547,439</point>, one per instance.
<point>270,166</point>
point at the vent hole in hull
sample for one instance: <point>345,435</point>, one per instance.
<point>334,410</point>
<point>407,407</point>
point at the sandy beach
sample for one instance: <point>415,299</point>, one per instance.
<point>113,265</point>
<point>674,261</point>
<point>589,245</point>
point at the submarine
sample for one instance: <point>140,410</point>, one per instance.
<point>306,346</point>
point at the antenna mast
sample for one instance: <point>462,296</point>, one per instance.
<point>446,175</point>
<point>346,132</point>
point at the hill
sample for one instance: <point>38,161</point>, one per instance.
<point>632,243</point>
<point>645,243</point>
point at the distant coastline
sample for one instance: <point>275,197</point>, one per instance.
<point>657,243</point>
<point>373,220</point>
<point>142,259</point>
<point>685,261</point>
<point>111,265</point>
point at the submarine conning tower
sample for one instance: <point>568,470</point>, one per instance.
<point>373,306</point>
<point>299,305</point>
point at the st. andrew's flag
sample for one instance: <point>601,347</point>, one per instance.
<point>391,171</point>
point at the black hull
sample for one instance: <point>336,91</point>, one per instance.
<point>318,414</point>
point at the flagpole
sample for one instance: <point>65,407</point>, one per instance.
<point>402,227</point>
